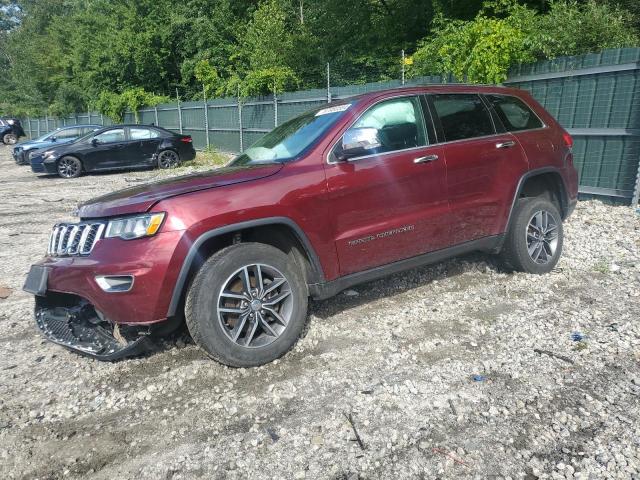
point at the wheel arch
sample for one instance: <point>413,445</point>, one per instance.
<point>539,181</point>
<point>280,232</point>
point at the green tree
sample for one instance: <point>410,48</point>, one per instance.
<point>505,33</point>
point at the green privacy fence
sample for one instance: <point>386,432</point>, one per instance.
<point>596,97</point>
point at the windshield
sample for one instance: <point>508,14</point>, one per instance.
<point>289,140</point>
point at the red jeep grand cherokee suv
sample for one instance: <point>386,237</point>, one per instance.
<point>343,194</point>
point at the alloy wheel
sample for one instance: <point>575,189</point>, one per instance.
<point>168,159</point>
<point>542,237</point>
<point>255,305</point>
<point>10,139</point>
<point>68,167</point>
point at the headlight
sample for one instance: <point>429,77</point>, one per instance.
<point>139,226</point>
<point>48,154</point>
<point>11,121</point>
<point>32,154</point>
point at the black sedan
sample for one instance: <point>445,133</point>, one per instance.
<point>117,147</point>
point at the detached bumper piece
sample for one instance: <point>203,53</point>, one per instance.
<point>80,328</point>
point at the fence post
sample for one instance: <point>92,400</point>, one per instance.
<point>240,122</point>
<point>38,128</point>
<point>30,134</point>
<point>636,189</point>
<point>64,121</point>
<point>206,115</point>
<point>155,111</point>
<point>179,111</point>
<point>88,117</point>
<point>275,107</point>
<point>403,67</point>
<point>46,119</point>
<point>328,84</point>
<point>102,119</point>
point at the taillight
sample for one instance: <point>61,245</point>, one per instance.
<point>186,139</point>
<point>568,141</point>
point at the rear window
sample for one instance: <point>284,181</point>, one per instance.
<point>514,113</point>
<point>463,116</point>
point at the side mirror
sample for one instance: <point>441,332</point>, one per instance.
<point>95,141</point>
<point>54,139</point>
<point>357,142</point>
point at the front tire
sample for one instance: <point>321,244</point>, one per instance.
<point>247,305</point>
<point>535,238</point>
<point>10,139</point>
<point>69,167</point>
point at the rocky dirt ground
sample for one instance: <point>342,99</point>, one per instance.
<point>459,370</point>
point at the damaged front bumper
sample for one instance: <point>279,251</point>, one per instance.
<point>73,323</point>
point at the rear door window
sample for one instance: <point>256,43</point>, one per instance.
<point>142,134</point>
<point>514,113</point>
<point>68,133</point>
<point>462,116</point>
<point>399,122</point>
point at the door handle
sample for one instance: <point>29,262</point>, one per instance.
<point>425,159</point>
<point>507,144</point>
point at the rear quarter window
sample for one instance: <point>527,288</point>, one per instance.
<point>514,113</point>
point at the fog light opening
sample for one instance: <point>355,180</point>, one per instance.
<point>115,283</point>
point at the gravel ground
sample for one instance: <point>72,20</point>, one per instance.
<point>458,370</point>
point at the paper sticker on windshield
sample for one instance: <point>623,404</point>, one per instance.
<point>337,108</point>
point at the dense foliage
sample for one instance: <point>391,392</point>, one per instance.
<point>64,56</point>
<point>505,33</point>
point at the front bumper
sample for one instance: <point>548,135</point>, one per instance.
<point>38,165</point>
<point>73,323</point>
<point>147,260</point>
<point>19,156</point>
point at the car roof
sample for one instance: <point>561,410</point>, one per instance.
<point>432,88</point>
<point>80,126</point>
<point>137,125</point>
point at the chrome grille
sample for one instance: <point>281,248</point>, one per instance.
<point>74,238</point>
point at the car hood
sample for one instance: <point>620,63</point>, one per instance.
<point>142,197</point>
<point>31,145</point>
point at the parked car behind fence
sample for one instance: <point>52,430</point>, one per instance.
<point>10,131</point>
<point>59,136</point>
<point>117,147</point>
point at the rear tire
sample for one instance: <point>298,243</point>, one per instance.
<point>247,305</point>
<point>535,238</point>
<point>69,167</point>
<point>10,139</point>
<point>168,159</point>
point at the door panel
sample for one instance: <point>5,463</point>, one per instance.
<point>108,152</point>
<point>386,208</point>
<point>392,203</point>
<point>481,179</point>
<point>483,167</point>
<point>144,145</point>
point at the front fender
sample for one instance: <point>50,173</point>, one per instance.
<point>195,244</point>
